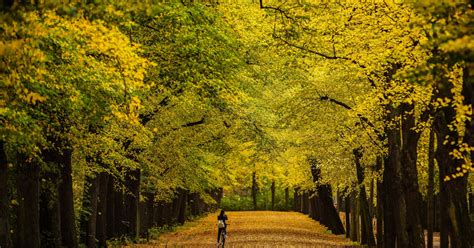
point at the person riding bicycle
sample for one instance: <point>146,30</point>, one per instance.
<point>221,224</point>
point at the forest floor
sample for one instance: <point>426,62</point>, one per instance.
<point>253,229</point>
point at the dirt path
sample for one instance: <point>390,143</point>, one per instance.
<point>254,229</point>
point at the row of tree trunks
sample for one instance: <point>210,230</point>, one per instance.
<point>45,217</point>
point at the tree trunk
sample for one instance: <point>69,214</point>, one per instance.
<point>287,199</point>
<point>296,201</point>
<point>354,222</point>
<point>182,207</point>
<point>89,214</point>
<point>430,200</point>
<point>133,198</point>
<point>388,206</point>
<point>328,212</point>
<point>5,240</point>
<point>305,204</point>
<point>50,221</point>
<point>66,200</point>
<point>367,228</point>
<point>254,190</point>
<point>314,212</point>
<point>471,204</point>
<point>273,195</point>
<point>453,193</point>
<point>111,216</point>
<point>409,171</point>
<point>347,210</point>
<point>379,207</point>
<point>28,199</point>
<point>102,210</point>
<point>50,215</point>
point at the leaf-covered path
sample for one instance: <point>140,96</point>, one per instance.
<point>254,229</point>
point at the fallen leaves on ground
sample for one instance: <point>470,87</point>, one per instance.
<point>254,229</point>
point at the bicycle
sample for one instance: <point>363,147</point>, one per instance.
<point>222,238</point>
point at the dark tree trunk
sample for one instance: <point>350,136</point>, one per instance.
<point>195,204</point>
<point>89,214</point>
<point>347,210</point>
<point>314,212</point>
<point>379,207</point>
<point>296,201</point>
<point>287,199</point>
<point>328,213</point>
<point>102,210</point>
<point>133,198</point>
<point>168,213</point>
<point>354,220</point>
<point>111,216</point>
<point>254,190</point>
<point>430,200</point>
<point>28,199</point>
<point>176,205</point>
<point>120,220</point>
<point>388,206</point>
<point>471,204</point>
<point>182,207</point>
<point>50,221</point>
<point>409,170</point>
<point>367,228</point>
<point>305,204</point>
<point>453,200</point>
<point>5,240</point>
<point>158,214</point>
<point>397,196</point>
<point>66,200</point>
<point>50,215</point>
<point>273,195</point>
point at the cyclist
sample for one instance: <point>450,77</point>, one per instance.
<point>222,225</point>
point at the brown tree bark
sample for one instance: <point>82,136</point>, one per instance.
<point>89,214</point>
<point>5,239</point>
<point>50,221</point>
<point>50,216</point>
<point>66,200</point>
<point>102,203</point>
<point>328,212</point>
<point>367,228</point>
<point>347,210</point>
<point>379,207</point>
<point>183,206</point>
<point>354,220</point>
<point>453,193</point>
<point>296,200</point>
<point>110,215</point>
<point>305,203</point>
<point>254,190</point>
<point>388,206</point>
<point>430,200</point>
<point>28,203</point>
<point>409,153</point>
<point>273,195</point>
<point>132,202</point>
